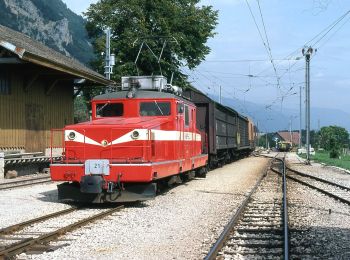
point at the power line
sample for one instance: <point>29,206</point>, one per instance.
<point>267,38</point>
<point>324,31</point>
<point>341,26</point>
<point>327,29</point>
<point>246,60</point>
<point>263,41</point>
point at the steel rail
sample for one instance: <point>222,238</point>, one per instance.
<point>16,227</point>
<point>24,185</point>
<point>26,244</point>
<point>229,227</point>
<point>285,212</point>
<point>315,188</point>
<point>318,179</point>
<point>39,178</point>
<point>320,190</point>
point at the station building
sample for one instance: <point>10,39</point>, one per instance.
<point>36,95</point>
<point>36,91</point>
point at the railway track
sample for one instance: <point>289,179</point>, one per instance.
<point>29,237</point>
<point>332,189</point>
<point>24,182</point>
<point>259,228</point>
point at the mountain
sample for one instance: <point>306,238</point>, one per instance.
<point>275,119</point>
<point>49,22</point>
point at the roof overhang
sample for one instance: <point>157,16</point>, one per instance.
<point>46,62</point>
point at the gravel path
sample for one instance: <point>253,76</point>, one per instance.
<point>180,224</point>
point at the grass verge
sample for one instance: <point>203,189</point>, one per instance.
<point>323,157</point>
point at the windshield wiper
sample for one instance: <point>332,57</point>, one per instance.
<point>155,102</point>
<point>101,108</point>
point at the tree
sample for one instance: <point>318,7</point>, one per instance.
<point>314,137</point>
<point>333,138</point>
<point>270,140</point>
<point>81,112</point>
<point>182,25</point>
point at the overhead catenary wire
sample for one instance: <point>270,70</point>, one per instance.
<point>319,40</point>
<point>316,39</point>
<point>267,47</point>
<point>332,35</point>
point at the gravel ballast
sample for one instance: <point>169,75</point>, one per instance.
<point>20,204</point>
<point>332,174</point>
<point>181,223</point>
<point>319,225</point>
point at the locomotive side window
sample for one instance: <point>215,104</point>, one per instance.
<point>180,108</point>
<point>187,116</point>
<point>155,108</point>
<point>109,109</point>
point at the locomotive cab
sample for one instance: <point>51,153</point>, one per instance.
<point>136,137</point>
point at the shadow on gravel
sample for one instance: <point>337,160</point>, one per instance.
<point>49,196</point>
<point>320,243</point>
<point>163,190</point>
<point>52,196</point>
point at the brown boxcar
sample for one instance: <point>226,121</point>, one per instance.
<point>229,134</point>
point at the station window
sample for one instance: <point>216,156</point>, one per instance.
<point>109,109</point>
<point>187,116</point>
<point>5,83</point>
<point>155,108</point>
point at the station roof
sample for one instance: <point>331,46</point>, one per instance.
<point>35,52</point>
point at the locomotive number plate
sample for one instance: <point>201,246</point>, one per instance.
<point>97,167</point>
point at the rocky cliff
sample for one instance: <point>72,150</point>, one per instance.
<point>50,22</point>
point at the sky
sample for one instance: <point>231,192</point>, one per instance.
<point>241,65</point>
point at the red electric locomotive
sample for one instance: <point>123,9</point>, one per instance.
<point>136,138</point>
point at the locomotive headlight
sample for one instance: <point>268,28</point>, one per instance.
<point>71,136</point>
<point>104,143</point>
<point>135,135</point>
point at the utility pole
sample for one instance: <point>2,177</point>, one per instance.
<point>307,52</point>
<point>290,129</point>
<point>109,59</point>
<point>258,134</point>
<point>300,144</point>
<point>220,95</point>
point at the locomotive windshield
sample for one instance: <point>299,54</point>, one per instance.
<point>109,109</point>
<point>155,108</point>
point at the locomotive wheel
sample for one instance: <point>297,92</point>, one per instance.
<point>202,172</point>
<point>176,179</point>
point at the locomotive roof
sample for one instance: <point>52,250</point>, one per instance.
<point>139,94</point>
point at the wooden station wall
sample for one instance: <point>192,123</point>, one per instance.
<point>27,116</point>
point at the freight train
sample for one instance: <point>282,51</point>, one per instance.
<point>146,135</point>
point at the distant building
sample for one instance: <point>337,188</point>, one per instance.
<point>287,136</point>
<point>36,91</point>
